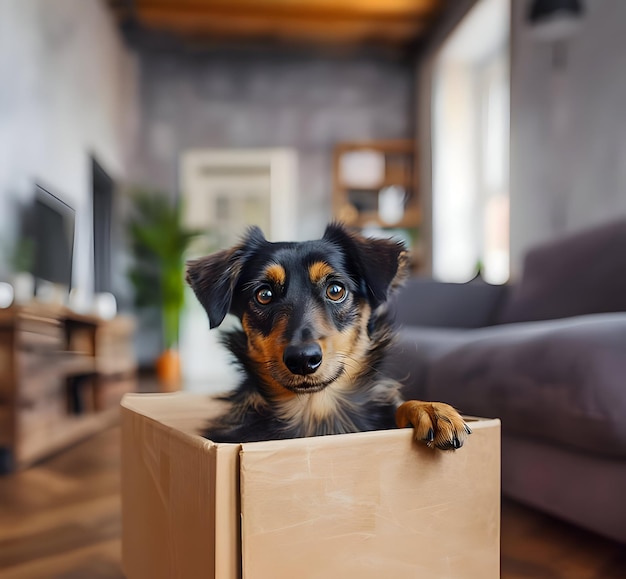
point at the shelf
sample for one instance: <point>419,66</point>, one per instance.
<point>410,220</point>
<point>388,146</point>
<point>375,190</point>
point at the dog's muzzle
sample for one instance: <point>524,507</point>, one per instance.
<point>303,359</point>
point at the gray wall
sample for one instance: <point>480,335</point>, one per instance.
<point>568,128</point>
<point>67,91</point>
<point>270,100</point>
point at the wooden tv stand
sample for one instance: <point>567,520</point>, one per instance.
<point>62,375</point>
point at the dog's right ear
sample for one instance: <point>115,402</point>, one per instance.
<point>213,278</point>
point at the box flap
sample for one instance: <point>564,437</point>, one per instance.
<point>183,411</point>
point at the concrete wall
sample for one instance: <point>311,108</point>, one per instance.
<point>243,99</point>
<point>568,128</point>
<point>68,90</point>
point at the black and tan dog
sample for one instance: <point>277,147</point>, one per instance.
<point>314,333</point>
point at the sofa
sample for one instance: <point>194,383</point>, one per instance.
<point>546,355</point>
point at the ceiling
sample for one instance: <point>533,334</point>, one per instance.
<point>395,23</point>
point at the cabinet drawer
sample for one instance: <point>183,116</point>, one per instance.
<point>40,325</point>
<point>36,415</point>
<point>35,362</point>
<point>40,386</point>
<point>26,340</point>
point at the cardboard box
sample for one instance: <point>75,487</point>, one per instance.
<point>367,505</point>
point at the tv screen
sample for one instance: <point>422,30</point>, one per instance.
<point>53,222</point>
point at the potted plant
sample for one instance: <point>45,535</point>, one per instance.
<point>159,241</point>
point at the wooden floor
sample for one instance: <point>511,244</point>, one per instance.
<point>61,519</point>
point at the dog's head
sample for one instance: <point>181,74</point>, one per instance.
<point>305,307</point>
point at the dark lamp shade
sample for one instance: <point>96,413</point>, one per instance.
<point>555,20</point>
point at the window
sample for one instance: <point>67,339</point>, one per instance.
<point>471,148</point>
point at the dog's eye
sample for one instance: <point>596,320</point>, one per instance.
<point>264,295</point>
<point>336,292</point>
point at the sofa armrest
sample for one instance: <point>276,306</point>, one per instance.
<point>426,302</point>
<point>560,381</point>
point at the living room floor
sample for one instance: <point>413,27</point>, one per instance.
<point>61,519</point>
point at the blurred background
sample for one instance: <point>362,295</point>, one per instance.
<point>135,134</point>
<point>394,117</point>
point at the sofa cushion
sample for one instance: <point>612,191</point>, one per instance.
<point>562,381</point>
<point>429,303</point>
<point>583,273</point>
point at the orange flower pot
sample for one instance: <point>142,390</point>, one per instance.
<point>168,370</point>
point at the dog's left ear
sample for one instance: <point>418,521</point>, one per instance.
<point>214,278</point>
<point>380,265</point>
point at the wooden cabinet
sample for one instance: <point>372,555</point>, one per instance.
<point>62,376</point>
<point>362,170</point>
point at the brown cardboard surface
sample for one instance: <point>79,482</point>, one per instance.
<point>360,505</point>
<point>371,505</point>
<point>177,491</point>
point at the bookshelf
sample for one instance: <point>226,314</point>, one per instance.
<point>361,170</point>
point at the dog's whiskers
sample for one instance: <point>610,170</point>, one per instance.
<point>357,364</point>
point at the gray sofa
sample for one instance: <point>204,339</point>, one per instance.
<point>547,356</point>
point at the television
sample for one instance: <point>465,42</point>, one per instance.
<point>53,223</point>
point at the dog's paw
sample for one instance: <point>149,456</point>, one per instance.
<point>435,423</point>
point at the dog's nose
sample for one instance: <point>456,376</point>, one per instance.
<point>303,358</point>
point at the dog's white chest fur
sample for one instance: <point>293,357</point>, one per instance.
<point>315,413</point>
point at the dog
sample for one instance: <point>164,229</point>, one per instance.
<point>314,332</point>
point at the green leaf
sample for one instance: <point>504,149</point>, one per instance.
<point>158,242</point>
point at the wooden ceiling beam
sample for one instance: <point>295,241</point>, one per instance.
<point>243,24</point>
<point>391,22</point>
<point>305,8</point>
<point>236,12</point>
